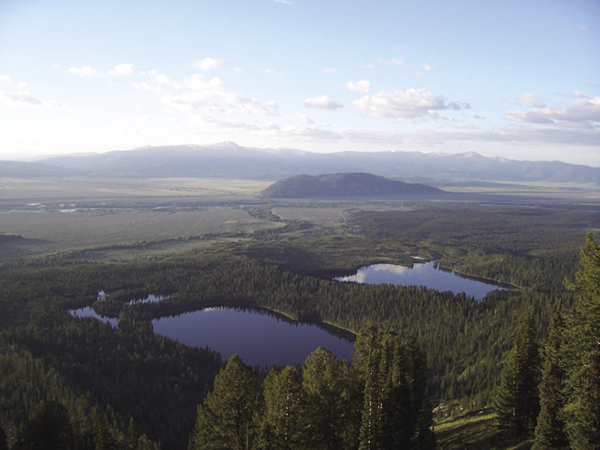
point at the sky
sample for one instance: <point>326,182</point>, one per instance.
<point>512,79</point>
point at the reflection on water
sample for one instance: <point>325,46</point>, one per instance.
<point>426,274</point>
<point>89,312</point>
<point>257,336</point>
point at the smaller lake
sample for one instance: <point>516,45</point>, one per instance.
<point>422,274</point>
<point>258,337</point>
<point>89,312</point>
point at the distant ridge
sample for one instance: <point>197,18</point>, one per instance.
<point>229,160</point>
<point>336,185</point>
<point>20,169</point>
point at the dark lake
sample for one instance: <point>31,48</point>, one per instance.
<point>422,274</point>
<point>257,336</point>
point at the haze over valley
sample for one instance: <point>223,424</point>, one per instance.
<point>289,224</point>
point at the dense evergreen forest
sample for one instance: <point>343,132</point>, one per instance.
<point>109,387</point>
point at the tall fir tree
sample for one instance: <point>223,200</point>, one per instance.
<point>48,428</point>
<point>226,420</point>
<point>284,422</point>
<point>550,429</point>
<point>3,439</point>
<point>582,353</point>
<point>103,439</point>
<point>517,398</point>
<point>396,412</point>
<point>333,399</point>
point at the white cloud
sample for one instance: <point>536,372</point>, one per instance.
<point>426,67</point>
<point>367,67</point>
<point>212,96</point>
<point>531,99</point>
<point>582,111</point>
<point>284,2</point>
<point>163,79</point>
<point>255,107</point>
<point>122,70</point>
<point>5,79</point>
<point>363,86</point>
<point>322,102</point>
<point>406,105</point>
<point>207,64</point>
<point>20,99</point>
<point>329,70</point>
<point>579,94</point>
<point>303,118</point>
<point>196,83</point>
<point>87,71</point>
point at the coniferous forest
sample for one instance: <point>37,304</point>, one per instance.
<point>530,352</point>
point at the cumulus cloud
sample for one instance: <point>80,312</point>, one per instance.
<point>21,99</point>
<point>207,64</point>
<point>86,71</point>
<point>5,79</point>
<point>122,70</point>
<point>303,118</point>
<point>579,94</point>
<point>162,79</point>
<point>322,102</point>
<point>363,86</point>
<point>582,111</point>
<point>212,95</point>
<point>405,105</point>
<point>531,99</point>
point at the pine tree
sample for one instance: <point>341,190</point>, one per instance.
<point>396,412</point>
<point>103,439</point>
<point>582,353</point>
<point>331,393</point>
<point>226,420</point>
<point>49,428</point>
<point>131,440</point>
<point>3,439</point>
<point>517,399</point>
<point>549,432</point>
<point>285,412</point>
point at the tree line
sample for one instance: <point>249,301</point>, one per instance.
<point>377,402</point>
<point>554,394</point>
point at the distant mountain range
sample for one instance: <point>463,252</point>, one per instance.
<point>230,160</point>
<point>336,185</point>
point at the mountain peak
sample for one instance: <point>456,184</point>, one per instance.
<point>224,144</point>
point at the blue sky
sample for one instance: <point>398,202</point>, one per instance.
<point>514,79</point>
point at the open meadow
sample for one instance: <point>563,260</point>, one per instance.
<point>127,219</point>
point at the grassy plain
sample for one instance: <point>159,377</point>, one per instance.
<point>105,215</point>
<point>124,219</point>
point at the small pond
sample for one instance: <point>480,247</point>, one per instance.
<point>257,336</point>
<point>89,312</point>
<point>423,274</point>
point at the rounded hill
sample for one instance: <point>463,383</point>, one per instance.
<point>345,185</point>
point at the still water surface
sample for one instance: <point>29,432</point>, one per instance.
<point>263,338</point>
<point>258,337</point>
<point>423,274</point>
